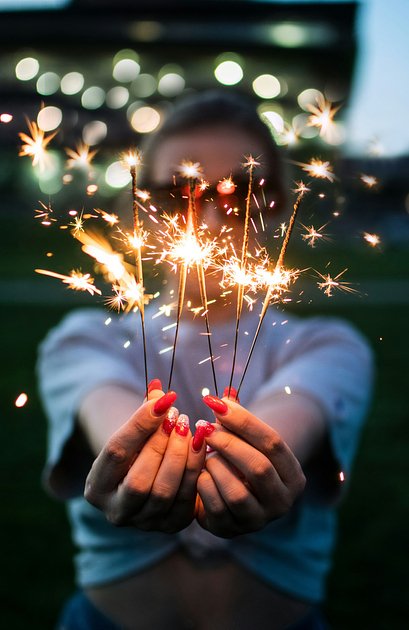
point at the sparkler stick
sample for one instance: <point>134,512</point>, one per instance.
<point>243,263</point>
<point>280,281</point>
<point>133,159</point>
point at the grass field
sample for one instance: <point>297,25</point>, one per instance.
<point>368,586</point>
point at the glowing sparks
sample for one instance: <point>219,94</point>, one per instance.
<point>44,213</point>
<point>110,218</point>
<point>329,284</point>
<point>372,239</point>
<point>190,170</point>
<point>318,168</point>
<point>6,118</point>
<point>312,235</point>
<point>322,117</point>
<point>35,145</point>
<point>81,158</point>
<point>183,246</point>
<point>369,180</point>
<point>21,400</point>
<point>132,159</point>
<point>77,281</point>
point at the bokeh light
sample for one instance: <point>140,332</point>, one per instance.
<point>27,68</point>
<point>117,175</point>
<point>266,86</point>
<point>126,70</point>
<point>94,132</point>
<point>72,83</point>
<point>48,83</point>
<point>308,97</point>
<point>228,72</point>
<point>49,118</point>
<point>144,85</point>
<point>171,84</point>
<point>93,97</point>
<point>145,119</point>
<point>117,97</point>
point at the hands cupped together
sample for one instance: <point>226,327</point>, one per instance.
<point>153,474</point>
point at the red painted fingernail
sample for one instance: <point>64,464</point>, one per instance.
<point>182,425</point>
<point>208,427</point>
<point>216,404</point>
<point>231,392</point>
<point>170,421</point>
<point>154,384</point>
<point>163,403</point>
<point>198,439</point>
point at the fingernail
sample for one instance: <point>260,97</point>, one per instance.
<point>198,439</point>
<point>154,384</point>
<point>163,403</point>
<point>231,392</point>
<point>217,405</point>
<point>182,425</point>
<point>170,421</point>
<point>208,427</point>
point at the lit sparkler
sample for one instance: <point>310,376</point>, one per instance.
<point>35,145</point>
<point>318,168</point>
<point>312,235</point>
<point>250,164</point>
<point>191,250</point>
<point>372,239</point>
<point>369,180</point>
<point>279,280</point>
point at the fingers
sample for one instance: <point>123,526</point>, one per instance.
<point>117,456</point>
<point>257,433</point>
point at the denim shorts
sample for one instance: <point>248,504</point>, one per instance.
<point>80,614</point>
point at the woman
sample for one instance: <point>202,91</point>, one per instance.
<point>168,536</point>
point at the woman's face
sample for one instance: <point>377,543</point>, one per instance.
<point>221,152</point>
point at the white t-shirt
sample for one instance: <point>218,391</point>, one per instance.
<point>321,357</point>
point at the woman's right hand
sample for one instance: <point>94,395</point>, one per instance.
<point>145,476</point>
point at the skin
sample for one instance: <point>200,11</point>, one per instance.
<point>144,478</point>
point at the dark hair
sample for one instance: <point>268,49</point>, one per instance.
<point>218,107</point>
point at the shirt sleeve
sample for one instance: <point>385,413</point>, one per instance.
<point>328,360</point>
<point>77,356</point>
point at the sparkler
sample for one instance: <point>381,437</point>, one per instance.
<point>192,250</point>
<point>250,163</point>
<point>81,158</point>
<point>330,284</point>
<point>280,279</point>
<point>322,116</point>
<point>77,280</point>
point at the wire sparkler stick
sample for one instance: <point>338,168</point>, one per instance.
<point>280,280</point>
<point>133,159</point>
<point>191,232</point>
<point>243,264</point>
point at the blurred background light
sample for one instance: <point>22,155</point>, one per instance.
<point>94,132</point>
<point>171,84</point>
<point>126,70</point>
<point>117,175</point>
<point>144,85</point>
<point>49,118</point>
<point>93,97</point>
<point>308,97</point>
<point>228,72</point>
<point>266,86</point>
<point>48,83</point>
<point>72,83</point>
<point>117,97</point>
<point>145,119</point>
<point>27,68</point>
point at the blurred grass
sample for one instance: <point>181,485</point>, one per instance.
<point>368,586</point>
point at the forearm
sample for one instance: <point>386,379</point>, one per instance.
<point>104,410</point>
<point>299,420</point>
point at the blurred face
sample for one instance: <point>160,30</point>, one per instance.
<point>221,152</point>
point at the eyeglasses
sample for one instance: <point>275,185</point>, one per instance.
<point>227,195</point>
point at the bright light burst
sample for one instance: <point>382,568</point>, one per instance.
<point>329,284</point>
<point>312,235</point>
<point>318,168</point>
<point>35,145</point>
<point>44,213</point>
<point>190,170</point>
<point>81,158</point>
<point>76,280</point>
<point>369,180</point>
<point>372,239</point>
<point>322,117</point>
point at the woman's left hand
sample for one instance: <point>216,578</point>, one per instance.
<point>251,478</point>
